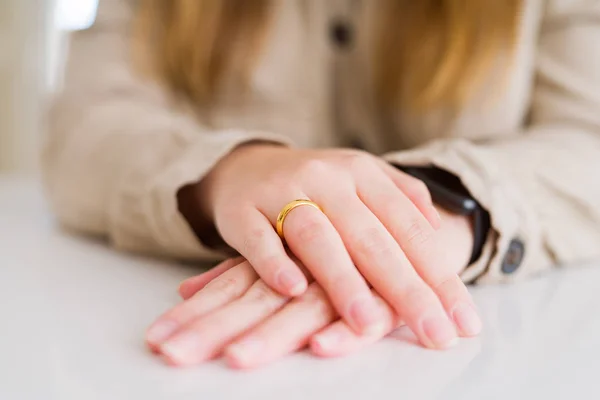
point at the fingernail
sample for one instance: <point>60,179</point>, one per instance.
<point>326,341</point>
<point>161,331</point>
<point>183,282</point>
<point>246,350</point>
<point>467,320</point>
<point>179,349</point>
<point>440,332</point>
<point>366,315</point>
<point>292,281</point>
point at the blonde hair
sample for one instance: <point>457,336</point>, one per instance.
<point>426,53</point>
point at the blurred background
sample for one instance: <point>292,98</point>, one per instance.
<point>33,42</point>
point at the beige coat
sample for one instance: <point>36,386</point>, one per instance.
<point>120,148</point>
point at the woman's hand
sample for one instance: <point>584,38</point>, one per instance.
<point>378,226</point>
<point>230,310</point>
<point>236,314</point>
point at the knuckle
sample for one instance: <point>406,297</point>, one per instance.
<point>308,230</point>
<point>373,243</point>
<point>270,264</point>
<point>314,167</point>
<point>263,295</point>
<point>417,234</point>
<point>253,241</point>
<point>225,285</point>
<point>358,161</point>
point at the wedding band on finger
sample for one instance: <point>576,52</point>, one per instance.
<point>287,209</point>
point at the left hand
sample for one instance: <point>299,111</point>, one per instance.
<point>229,310</point>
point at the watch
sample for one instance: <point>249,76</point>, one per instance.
<point>449,193</point>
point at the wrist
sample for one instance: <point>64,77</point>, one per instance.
<point>226,170</point>
<point>458,237</point>
<point>196,201</point>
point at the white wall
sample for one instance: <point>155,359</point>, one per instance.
<point>24,32</point>
<point>32,33</point>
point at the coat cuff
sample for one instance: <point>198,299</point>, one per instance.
<point>146,213</point>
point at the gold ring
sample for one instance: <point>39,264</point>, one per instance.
<point>287,209</point>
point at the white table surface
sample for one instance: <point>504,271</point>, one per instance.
<point>73,313</point>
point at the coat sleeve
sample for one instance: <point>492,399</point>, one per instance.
<point>541,186</point>
<point>118,151</point>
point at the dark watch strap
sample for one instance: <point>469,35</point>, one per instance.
<point>448,192</point>
<point>481,228</point>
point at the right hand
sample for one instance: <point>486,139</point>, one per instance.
<point>378,225</point>
<point>230,311</point>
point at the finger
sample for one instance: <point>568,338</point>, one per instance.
<point>422,245</point>
<point>338,339</point>
<point>416,191</point>
<point>384,265</point>
<point>457,301</point>
<point>255,239</point>
<point>190,286</point>
<point>286,331</point>
<point>314,240</point>
<point>205,337</point>
<point>447,284</point>
<point>222,290</point>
